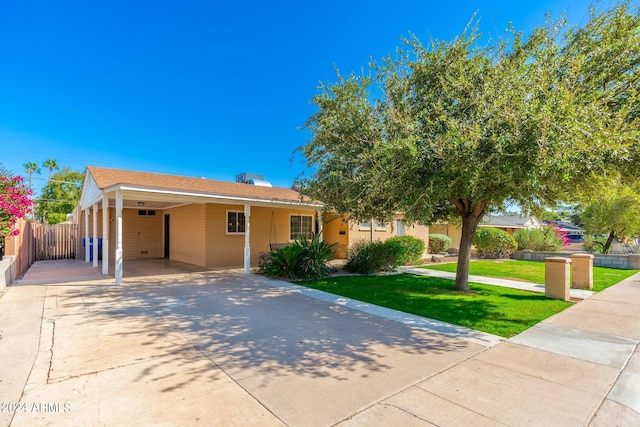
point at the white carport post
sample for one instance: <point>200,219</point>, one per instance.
<point>86,235</point>
<point>105,235</point>
<point>94,236</point>
<point>118,237</point>
<point>247,238</point>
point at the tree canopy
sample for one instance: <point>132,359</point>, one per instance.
<point>614,211</point>
<point>465,127</point>
<point>59,196</point>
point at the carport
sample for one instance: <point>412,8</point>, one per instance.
<point>203,207</point>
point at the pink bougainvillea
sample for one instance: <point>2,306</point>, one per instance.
<point>560,234</point>
<point>15,203</point>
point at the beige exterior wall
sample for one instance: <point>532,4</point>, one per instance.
<point>268,225</point>
<point>187,233</point>
<point>336,230</point>
<point>223,250</point>
<point>448,230</point>
<point>141,235</point>
<point>354,233</point>
<point>198,233</point>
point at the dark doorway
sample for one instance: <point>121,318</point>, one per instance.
<point>167,233</point>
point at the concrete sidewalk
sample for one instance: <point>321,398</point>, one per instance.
<point>515,284</point>
<point>220,348</point>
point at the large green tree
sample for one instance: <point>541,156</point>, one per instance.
<point>614,211</point>
<point>462,128</point>
<point>60,195</point>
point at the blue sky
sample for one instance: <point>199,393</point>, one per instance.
<point>201,88</point>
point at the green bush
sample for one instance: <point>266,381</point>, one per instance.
<point>439,243</point>
<point>538,240</point>
<point>56,218</point>
<point>373,257</point>
<point>414,249</point>
<point>494,243</point>
<point>594,244</point>
<point>301,260</point>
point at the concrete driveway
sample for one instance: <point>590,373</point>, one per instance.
<point>224,348</point>
<point>210,348</point>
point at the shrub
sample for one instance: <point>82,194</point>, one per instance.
<point>594,244</point>
<point>545,239</point>
<point>414,249</point>
<point>373,257</point>
<point>438,243</point>
<point>303,259</point>
<point>56,218</point>
<point>494,243</point>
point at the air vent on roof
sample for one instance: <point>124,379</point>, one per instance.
<point>259,182</point>
<point>246,177</point>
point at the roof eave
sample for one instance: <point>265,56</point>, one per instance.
<point>211,196</point>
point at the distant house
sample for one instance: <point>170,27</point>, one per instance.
<point>509,223</point>
<point>574,233</point>
<point>137,215</point>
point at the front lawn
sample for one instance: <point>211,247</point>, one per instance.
<point>531,271</point>
<point>493,309</point>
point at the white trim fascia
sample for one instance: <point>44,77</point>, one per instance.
<point>242,199</point>
<point>89,182</point>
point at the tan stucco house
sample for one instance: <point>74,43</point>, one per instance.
<point>508,223</point>
<point>137,215</point>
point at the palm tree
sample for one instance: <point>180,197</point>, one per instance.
<point>51,164</point>
<point>31,168</point>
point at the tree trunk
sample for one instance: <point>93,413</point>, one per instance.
<point>471,217</point>
<point>607,246</point>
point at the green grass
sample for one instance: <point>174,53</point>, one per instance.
<point>531,271</point>
<point>493,309</point>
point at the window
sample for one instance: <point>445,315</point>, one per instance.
<point>146,212</point>
<point>300,225</point>
<point>366,226</point>
<point>380,227</point>
<point>235,222</point>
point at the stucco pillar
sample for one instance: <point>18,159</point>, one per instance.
<point>94,235</point>
<point>556,278</point>
<point>373,232</point>
<point>105,235</point>
<point>118,237</point>
<point>247,238</point>
<point>86,235</point>
<point>582,268</point>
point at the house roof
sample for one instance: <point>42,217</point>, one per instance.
<point>510,221</point>
<point>565,226</point>
<point>106,177</point>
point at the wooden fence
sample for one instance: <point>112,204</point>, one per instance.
<point>57,241</point>
<point>21,246</point>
